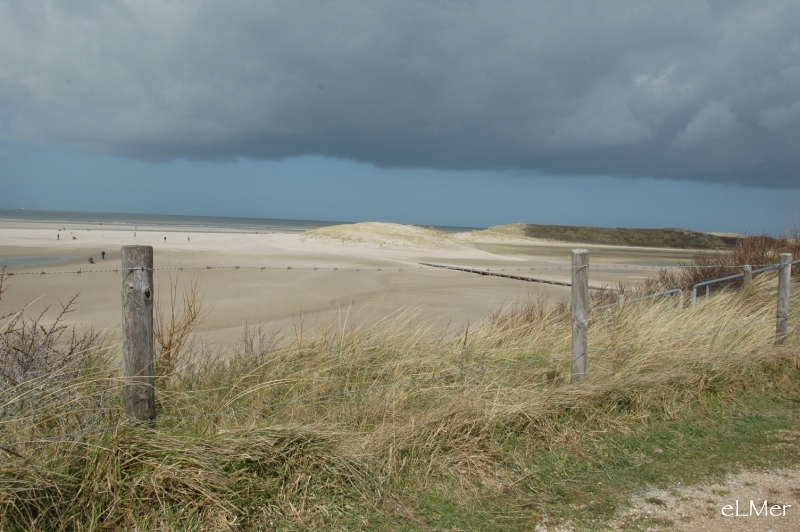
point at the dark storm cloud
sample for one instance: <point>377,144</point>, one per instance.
<point>694,90</point>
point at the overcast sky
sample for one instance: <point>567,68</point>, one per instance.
<point>646,113</point>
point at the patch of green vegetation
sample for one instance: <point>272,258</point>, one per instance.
<point>587,481</point>
<point>658,238</point>
<point>696,449</point>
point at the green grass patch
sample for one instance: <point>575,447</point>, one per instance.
<point>586,482</point>
<point>588,488</point>
<point>659,238</point>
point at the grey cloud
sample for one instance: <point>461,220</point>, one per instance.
<point>713,122</point>
<point>693,90</point>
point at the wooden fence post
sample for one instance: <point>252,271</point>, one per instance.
<point>137,332</point>
<point>747,275</point>
<point>784,293</point>
<point>580,313</point>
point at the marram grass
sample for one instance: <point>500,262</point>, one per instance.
<point>479,409</point>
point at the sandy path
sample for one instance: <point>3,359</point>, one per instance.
<point>701,507</point>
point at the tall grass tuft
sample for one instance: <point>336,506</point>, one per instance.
<point>339,425</point>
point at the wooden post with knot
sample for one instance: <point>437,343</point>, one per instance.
<point>580,313</point>
<point>137,332</point>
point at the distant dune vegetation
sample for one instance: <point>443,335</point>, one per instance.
<point>660,238</point>
<point>429,237</point>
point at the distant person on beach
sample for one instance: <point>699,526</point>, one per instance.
<point>58,236</point>
<point>91,260</point>
<point>165,239</point>
<point>103,254</point>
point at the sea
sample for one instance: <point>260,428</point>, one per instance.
<point>215,222</point>
<point>11,262</point>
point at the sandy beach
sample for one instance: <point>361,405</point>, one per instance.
<point>275,299</point>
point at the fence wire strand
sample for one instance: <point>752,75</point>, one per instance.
<point>81,271</point>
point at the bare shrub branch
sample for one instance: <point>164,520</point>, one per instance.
<point>174,329</point>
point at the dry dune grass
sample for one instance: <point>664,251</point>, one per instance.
<point>463,413</point>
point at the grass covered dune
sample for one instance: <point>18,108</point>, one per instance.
<point>657,238</point>
<point>387,427</point>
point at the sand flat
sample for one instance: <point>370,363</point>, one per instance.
<point>275,299</point>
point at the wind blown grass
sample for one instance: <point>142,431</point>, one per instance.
<point>351,426</point>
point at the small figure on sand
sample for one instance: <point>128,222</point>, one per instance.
<point>58,236</point>
<point>103,254</point>
<point>91,260</point>
<point>165,239</point>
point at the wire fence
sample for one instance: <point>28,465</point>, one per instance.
<point>81,271</point>
<point>456,373</point>
<point>421,266</point>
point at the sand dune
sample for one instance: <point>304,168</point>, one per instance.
<point>392,234</point>
<point>386,234</point>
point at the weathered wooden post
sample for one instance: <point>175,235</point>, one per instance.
<point>580,313</point>
<point>784,293</point>
<point>137,332</point>
<point>747,275</point>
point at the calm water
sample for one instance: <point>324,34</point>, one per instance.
<point>11,262</point>
<point>248,224</point>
